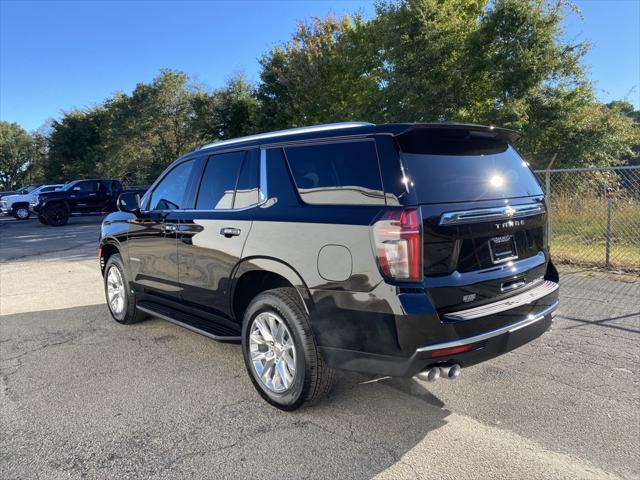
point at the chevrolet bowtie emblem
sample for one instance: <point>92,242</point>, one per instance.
<point>509,211</point>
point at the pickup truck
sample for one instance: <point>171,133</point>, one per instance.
<point>20,191</point>
<point>17,205</point>
<point>80,197</point>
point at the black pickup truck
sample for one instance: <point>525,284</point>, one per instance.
<point>80,197</point>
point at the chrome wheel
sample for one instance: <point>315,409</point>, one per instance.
<point>22,213</point>
<point>115,290</point>
<point>273,353</point>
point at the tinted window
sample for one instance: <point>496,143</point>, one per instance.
<point>48,189</point>
<point>169,193</point>
<point>219,181</point>
<point>107,185</point>
<point>460,165</point>
<point>69,186</point>
<point>248,189</point>
<point>28,189</point>
<point>90,186</point>
<point>496,174</point>
<point>338,173</point>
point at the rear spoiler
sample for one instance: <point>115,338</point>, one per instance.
<point>504,134</point>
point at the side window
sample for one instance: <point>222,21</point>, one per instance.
<point>86,187</point>
<point>219,181</point>
<point>169,193</point>
<point>344,173</point>
<point>248,189</point>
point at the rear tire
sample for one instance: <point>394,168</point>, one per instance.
<point>311,379</point>
<point>120,301</point>
<point>21,212</point>
<point>56,215</point>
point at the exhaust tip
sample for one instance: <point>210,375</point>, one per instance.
<point>450,372</point>
<point>431,375</point>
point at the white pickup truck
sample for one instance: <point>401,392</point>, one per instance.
<point>18,205</point>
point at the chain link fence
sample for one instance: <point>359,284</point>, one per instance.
<point>595,216</point>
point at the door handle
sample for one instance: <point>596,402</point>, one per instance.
<point>230,232</point>
<point>92,194</point>
<point>169,227</point>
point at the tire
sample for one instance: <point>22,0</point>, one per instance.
<point>56,215</point>
<point>42,220</point>
<point>128,313</point>
<point>312,378</point>
<point>21,212</point>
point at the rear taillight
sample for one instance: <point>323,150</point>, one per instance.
<point>397,238</point>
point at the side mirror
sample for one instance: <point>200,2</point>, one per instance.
<point>129,202</point>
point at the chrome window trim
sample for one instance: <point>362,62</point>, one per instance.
<point>263,191</point>
<point>508,212</point>
<point>525,322</point>
<point>291,131</point>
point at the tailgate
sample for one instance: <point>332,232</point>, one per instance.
<point>481,255</point>
<point>484,215</point>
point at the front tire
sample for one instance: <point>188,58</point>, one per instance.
<point>280,352</point>
<point>120,301</point>
<point>42,219</point>
<point>56,215</point>
<point>21,212</point>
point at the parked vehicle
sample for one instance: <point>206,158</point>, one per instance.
<point>20,191</point>
<point>80,197</point>
<point>18,205</point>
<point>6,193</point>
<point>401,250</point>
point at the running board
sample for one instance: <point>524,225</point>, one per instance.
<point>193,328</point>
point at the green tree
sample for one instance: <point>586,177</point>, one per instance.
<point>75,145</point>
<point>19,155</point>
<point>131,137</point>
<point>150,128</point>
<point>327,72</point>
<point>579,131</point>
<point>227,112</point>
<point>626,108</point>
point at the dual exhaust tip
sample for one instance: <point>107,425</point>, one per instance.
<point>431,375</point>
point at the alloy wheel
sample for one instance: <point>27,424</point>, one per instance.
<point>273,352</point>
<point>22,213</point>
<point>115,291</point>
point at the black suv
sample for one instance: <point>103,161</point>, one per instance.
<point>80,197</point>
<point>400,250</point>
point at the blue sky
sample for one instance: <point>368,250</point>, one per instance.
<point>57,55</point>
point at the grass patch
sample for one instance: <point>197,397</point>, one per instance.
<point>579,227</point>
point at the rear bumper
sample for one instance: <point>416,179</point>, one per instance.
<point>484,346</point>
<point>416,337</point>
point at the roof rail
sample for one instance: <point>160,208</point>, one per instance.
<point>290,131</point>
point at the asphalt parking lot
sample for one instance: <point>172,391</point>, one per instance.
<point>85,397</point>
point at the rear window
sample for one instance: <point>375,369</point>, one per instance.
<point>461,166</point>
<point>344,173</point>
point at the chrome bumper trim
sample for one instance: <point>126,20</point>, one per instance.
<point>525,322</point>
<point>524,298</point>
